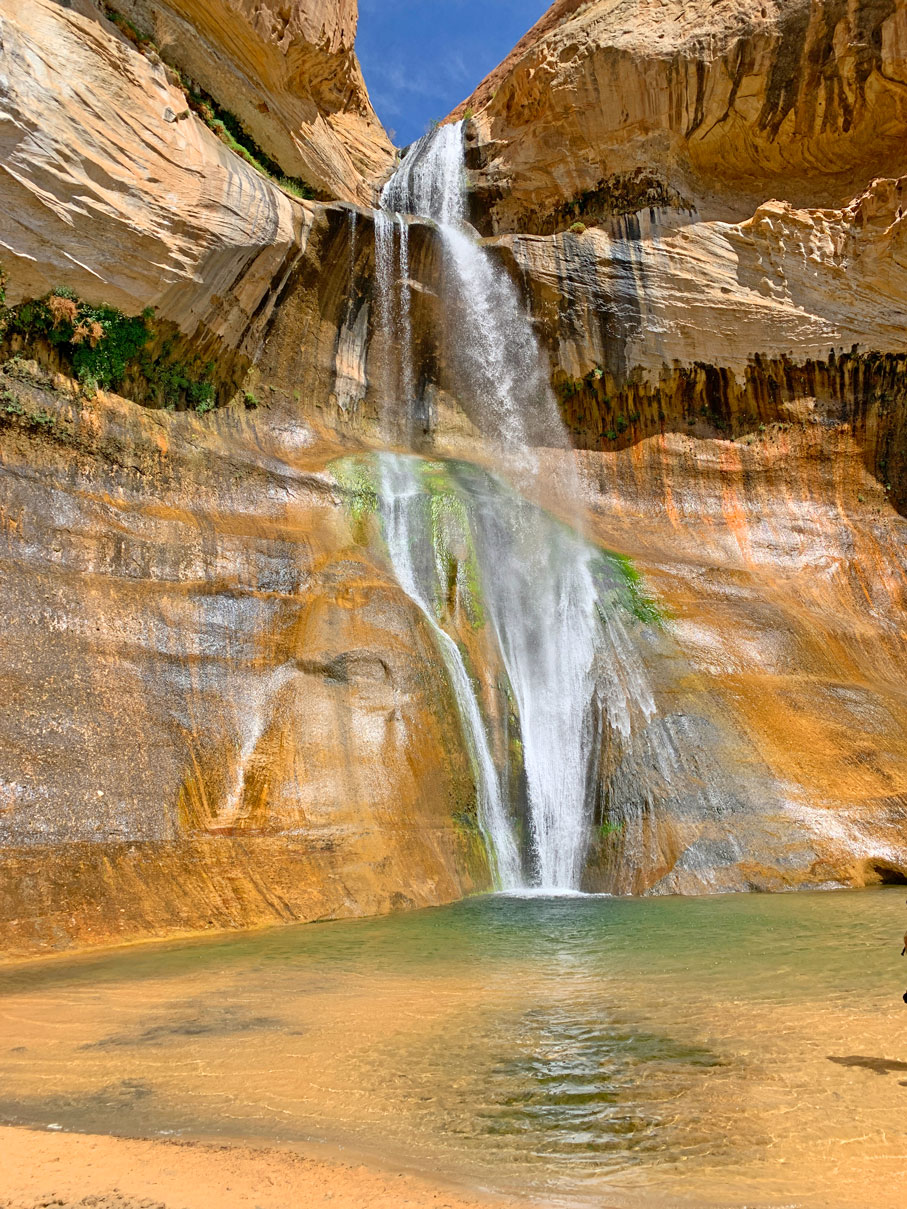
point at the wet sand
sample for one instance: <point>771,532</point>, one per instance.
<point>39,1169</point>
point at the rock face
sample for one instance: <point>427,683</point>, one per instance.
<point>607,107</point>
<point>208,591</point>
<point>761,494</point>
<point>221,710</point>
<point>726,328</point>
<point>104,194</point>
<point>112,187</point>
<point>289,73</point>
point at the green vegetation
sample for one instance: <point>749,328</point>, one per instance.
<point>250,400</point>
<point>629,591</point>
<point>610,827</point>
<point>98,341</point>
<point>568,388</point>
<point>232,133</point>
<point>578,228</point>
<point>11,405</point>
<point>455,553</point>
<point>356,479</point>
<point>224,124</point>
<point>125,26</point>
<point>105,348</point>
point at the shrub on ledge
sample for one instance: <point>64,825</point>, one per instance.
<point>105,348</point>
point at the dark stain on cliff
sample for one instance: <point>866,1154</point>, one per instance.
<point>806,69</point>
<point>699,105</point>
<point>866,392</point>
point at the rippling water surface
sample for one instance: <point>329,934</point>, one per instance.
<point>739,1051</point>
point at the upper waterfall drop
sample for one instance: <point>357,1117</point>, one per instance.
<point>569,665</point>
<point>499,370</point>
<point>430,180</point>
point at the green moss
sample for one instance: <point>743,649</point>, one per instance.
<point>233,134</point>
<point>609,828</point>
<point>222,122</point>
<point>468,818</point>
<point>11,406</point>
<point>356,479</point>
<point>632,593</point>
<point>455,553</point>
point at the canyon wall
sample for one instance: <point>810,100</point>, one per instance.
<point>115,187</point>
<point>714,107</point>
<point>713,196</point>
<point>222,709</point>
<point>289,74</point>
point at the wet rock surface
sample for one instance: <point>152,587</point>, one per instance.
<point>726,104</point>
<point>222,710</point>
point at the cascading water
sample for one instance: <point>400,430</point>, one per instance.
<point>566,656</point>
<point>407,526</point>
<point>497,360</point>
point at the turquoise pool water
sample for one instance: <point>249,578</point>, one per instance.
<point>739,1051</point>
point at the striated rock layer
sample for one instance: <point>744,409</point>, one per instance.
<point>609,106</point>
<point>289,74</point>
<point>112,187</point>
<point>220,709</point>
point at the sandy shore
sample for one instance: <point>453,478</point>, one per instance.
<point>65,1170</point>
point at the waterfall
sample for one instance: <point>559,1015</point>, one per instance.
<point>550,604</point>
<point>394,305</point>
<point>498,362</point>
<point>407,530</point>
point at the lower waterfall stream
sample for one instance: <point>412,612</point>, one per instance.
<point>551,598</point>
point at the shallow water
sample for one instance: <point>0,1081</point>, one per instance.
<point>736,1051</point>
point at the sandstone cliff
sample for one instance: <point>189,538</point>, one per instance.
<point>715,200</point>
<point>289,74</point>
<point>223,710</point>
<point>613,105</point>
<point>220,709</point>
<point>114,187</point>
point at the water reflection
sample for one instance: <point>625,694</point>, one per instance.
<point>637,1051</point>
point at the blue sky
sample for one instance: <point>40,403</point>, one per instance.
<point>422,57</point>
